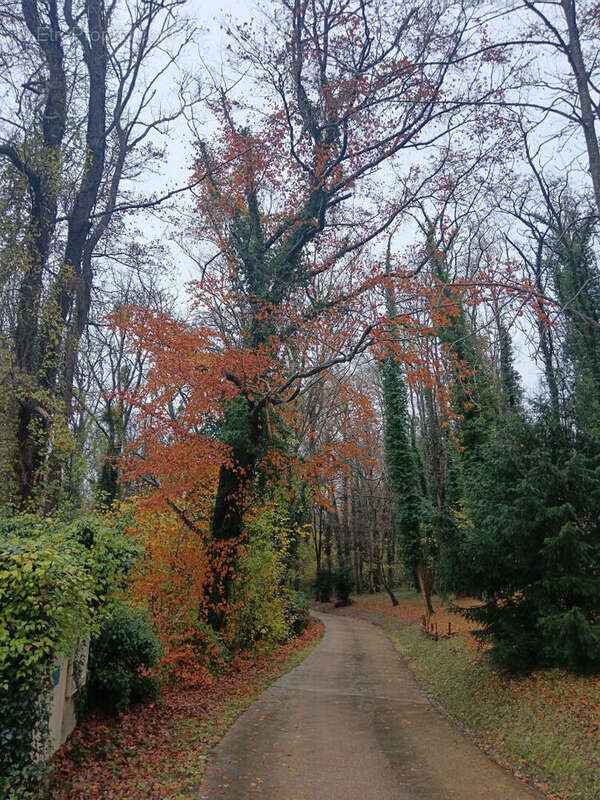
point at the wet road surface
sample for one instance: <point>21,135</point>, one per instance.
<point>350,722</point>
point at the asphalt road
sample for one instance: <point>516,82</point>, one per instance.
<point>350,723</point>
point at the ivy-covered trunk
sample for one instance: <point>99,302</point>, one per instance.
<point>243,430</point>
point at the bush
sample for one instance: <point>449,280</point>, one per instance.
<point>342,583</point>
<point>296,611</point>
<point>45,605</point>
<point>120,655</point>
<point>323,585</point>
<point>211,650</point>
<point>191,647</point>
<point>257,605</point>
<point>56,573</point>
<point>107,553</point>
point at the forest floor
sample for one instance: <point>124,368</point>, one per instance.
<point>545,727</point>
<point>158,751</point>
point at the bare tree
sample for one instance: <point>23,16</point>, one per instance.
<point>556,91</point>
<point>109,371</point>
<point>79,85</point>
<point>572,29</point>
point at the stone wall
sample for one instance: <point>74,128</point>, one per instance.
<point>68,678</point>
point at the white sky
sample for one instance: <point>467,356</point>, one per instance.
<point>206,52</point>
<point>209,53</point>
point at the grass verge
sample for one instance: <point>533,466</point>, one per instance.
<point>158,751</point>
<point>545,726</point>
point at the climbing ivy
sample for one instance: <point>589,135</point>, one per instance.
<point>54,576</point>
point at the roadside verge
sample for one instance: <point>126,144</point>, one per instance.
<point>158,751</point>
<point>544,727</point>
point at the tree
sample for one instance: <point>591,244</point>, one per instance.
<point>570,26</point>
<point>532,548</point>
<point>108,371</point>
<point>401,465</point>
<point>78,85</point>
<point>283,287</point>
<point>402,476</point>
<point>528,546</point>
<point>574,270</point>
<point>551,50</point>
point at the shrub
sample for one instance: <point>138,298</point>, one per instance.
<point>45,602</point>
<point>342,583</point>
<point>296,611</point>
<point>120,655</point>
<point>264,610</point>
<point>258,613</point>
<point>323,585</point>
<point>108,554</point>
<point>55,574</point>
<point>211,650</point>
<point>191,648</point>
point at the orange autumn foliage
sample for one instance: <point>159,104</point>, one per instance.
<point>169,580</point>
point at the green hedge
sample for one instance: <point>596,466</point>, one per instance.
<point>55,575</point>
<point>121,654</point>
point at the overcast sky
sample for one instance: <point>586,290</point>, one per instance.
<point>208,52</point>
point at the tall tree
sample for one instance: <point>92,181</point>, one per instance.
<point>400,461</point>
<point>346,84</point>
<point>551,46</point>
<point>78,86</point>
<point>571,27</point>
<point>574,270</point>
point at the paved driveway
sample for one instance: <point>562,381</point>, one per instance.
<point>351,723</point>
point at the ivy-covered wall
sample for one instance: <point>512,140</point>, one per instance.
<point>55,575</point>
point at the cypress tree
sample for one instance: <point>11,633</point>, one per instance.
<point>402,472</point>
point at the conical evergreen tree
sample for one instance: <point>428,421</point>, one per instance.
<point>532,549</point>
<point>510,382</point>
<point>402,470</point>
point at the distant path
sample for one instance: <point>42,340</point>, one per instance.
<point>350,723</point>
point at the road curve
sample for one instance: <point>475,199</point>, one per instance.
<point>351,723</point>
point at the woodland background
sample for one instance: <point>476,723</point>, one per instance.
<point>382,204</point>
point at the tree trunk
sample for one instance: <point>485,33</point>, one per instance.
<point>228,517</point>
<point>425,577</point>
<point>43,183</point>
<point>588,118</point>
<point>390,591</point>
<point>317,533</point>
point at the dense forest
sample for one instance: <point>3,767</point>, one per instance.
<point>384,370</point>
